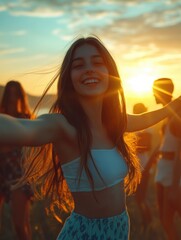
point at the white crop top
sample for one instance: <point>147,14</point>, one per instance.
<point>111,167</point>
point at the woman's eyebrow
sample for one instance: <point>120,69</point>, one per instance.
<point>96,56</point>
<point>81,58</point>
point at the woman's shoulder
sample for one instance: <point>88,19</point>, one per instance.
<point>57,119</point>
<point>59,124</point>
<point>23,115</point>
<point>53,116</point>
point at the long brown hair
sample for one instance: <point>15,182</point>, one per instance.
<point>113,116</point>
<point>22,106</point>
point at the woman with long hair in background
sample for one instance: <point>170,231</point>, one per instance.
<point>14,103</point>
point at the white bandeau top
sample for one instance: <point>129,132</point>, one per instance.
<point>107,168</point>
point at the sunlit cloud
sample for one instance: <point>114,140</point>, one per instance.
<point>62,35</point>
<point>137,51</point>
<point>31,8</point>
<point>11,51</point>
<point>2,8</point>
<point>57,8</point>
<point>169,59</point>
<point>59,33</point>
<point>39,12</point>
<point>38,57</point>
<point>19,33</point>
<point>167,18</point>
<point>139,34</point>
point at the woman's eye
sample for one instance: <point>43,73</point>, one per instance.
<point>99,63</point>
<point>78,65</point>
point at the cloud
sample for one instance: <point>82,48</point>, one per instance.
<point>131,29</point>
<point>168,59</point>
<point>19,33</point>
<point>30,8</point>
<point>140,51</point>
<point>41,12</point>
<point>35,57</point>
<point>125,20</point>
<point>95,13</point>
<point>61,35</point>
<point>2,8</point>
<point>168,17</point>
<point>11,51</point>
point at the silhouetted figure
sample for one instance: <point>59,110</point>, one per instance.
<point>168,151</point>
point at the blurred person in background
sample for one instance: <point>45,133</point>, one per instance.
<point>175,192</point>
<point>144,145</point>
<point>166,156</point>
<point>14,103</point>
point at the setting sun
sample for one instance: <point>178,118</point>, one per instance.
<point>139,82</point>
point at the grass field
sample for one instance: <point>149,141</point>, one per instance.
<point>47,228</point>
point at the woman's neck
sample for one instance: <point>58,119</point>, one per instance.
<point>93,109</point>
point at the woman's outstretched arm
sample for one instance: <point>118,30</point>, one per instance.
<point>36,132</point>
<point>141,121</point>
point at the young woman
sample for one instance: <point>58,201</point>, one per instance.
<point>14,103</point>
<point>84,150</point>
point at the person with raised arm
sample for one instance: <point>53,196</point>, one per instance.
<point>83,160</point>
<point>167,156</point>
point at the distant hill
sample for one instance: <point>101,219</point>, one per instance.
<point>33,100</point>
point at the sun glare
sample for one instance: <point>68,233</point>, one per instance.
<point>140,82</point>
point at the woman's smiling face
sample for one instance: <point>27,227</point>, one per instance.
<point>89,74</point>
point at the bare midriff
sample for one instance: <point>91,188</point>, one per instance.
<point>102,204</point>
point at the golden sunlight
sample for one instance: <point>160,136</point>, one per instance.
<point>140,84</point>
<point>140,81</point>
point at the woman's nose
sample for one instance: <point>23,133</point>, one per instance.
<point>90,71</point>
